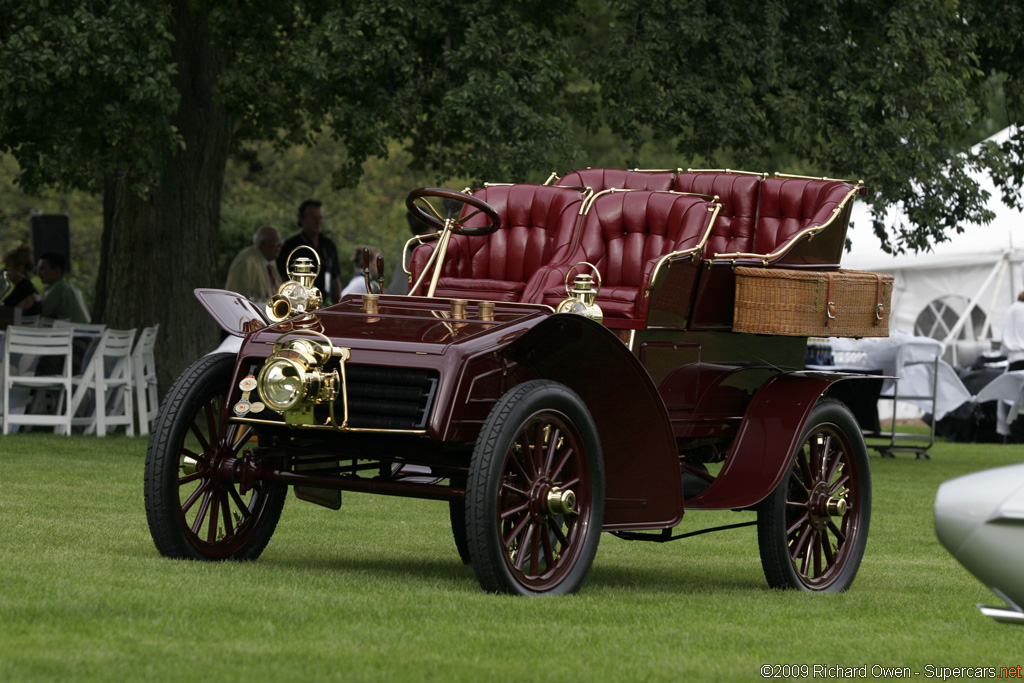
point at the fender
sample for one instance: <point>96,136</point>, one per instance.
<point>768,436</point>
<point>643,479</point>
<point>235,314</point>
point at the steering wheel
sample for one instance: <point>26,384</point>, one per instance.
<point>437,222</point>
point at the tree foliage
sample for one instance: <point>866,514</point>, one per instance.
<point>873,89</point>
<point>146,101</point>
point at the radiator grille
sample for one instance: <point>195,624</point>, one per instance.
<point>388,398</point>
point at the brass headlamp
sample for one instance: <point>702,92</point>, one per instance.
<point>298,295</point>
<point>294,378</point>
<point>583,294</point>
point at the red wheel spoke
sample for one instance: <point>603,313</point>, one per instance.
<point>242,435</point>
<point>537,454</point>
<point>816,553</point>
<point>527,449</point>
<point>569,483</point>
<point>197,524</point>
<point>517,529</point>
<point>826,547</point>
<point>549,456</point>
<point>837,461</point>
<point>190,478</point>
<point>535,551</point>
<point>524,543</point>
<point>509,488</point>
<point>837,532</point>
<point>824,452</point>
<point>200,490</point>
<point>200,457</point>
<point>556,528</point>
<point>194,428</point>
<point>802,520</point>
<point>518,465</point>
<point>568,453</point>
<point>505,514</point>
<point>801,537</point>
<point>225,509</point>
<point>843,481</point>
<point>549,552</point>
<point>211,531</point>
<point>243,508</point>
<point>805,471</point>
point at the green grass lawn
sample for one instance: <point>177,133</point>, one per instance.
<point>376,591</point>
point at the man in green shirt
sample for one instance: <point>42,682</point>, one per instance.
<point>61,300</point>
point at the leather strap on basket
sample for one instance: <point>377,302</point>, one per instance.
<point>879,306</point>
<point>830,308</point>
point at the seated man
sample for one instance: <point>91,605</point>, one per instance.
<point>61,300</point>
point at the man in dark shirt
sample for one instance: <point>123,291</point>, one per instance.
<point>311,224</point>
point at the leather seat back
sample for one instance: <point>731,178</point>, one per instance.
<point>625,235</point>
<point>789,206</point>
<point>738,194</point>
<point>601,179</point>
<point>536,221</point>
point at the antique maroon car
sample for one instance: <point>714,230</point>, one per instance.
<point>599,353</point>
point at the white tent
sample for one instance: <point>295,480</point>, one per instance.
<point>959,291</point>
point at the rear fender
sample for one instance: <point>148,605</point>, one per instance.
<point>766,441</point>
<point>643,479</point>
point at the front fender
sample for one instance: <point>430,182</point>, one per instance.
<point>235,314</point>
<point>767,439</point>
<point>643,478</point>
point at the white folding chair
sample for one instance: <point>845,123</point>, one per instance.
<point>144,369</point>
<point>85,340</point>
<point>52,347</point>
<point>107,376</point>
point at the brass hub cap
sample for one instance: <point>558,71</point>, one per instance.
<point>824,506</point>
<point>547,500</point>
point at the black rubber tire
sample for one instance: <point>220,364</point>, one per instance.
<point>802,546</point>
<point>181,508</point>
<point>517,543</point>
<point>457,515</point>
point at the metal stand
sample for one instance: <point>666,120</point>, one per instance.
<point>908,442</point>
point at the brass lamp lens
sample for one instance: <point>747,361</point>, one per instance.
<point>281,384</point>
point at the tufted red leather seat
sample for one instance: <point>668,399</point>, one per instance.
<point>738,194</point>
<point>789,206</point>
<point>536,221</point>
<point>601,179</point>
<point>625,235</point>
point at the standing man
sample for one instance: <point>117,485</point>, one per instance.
<point>311,224</point>
<point>61,300</point>
<point>253,272</point>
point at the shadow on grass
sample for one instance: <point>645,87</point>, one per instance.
<point>684,579</point>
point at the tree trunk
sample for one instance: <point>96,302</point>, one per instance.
<point>159,247</point>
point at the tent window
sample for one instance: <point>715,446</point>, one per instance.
<point>942,314</point>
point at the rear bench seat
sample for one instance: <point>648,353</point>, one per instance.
<point>601,179</point>
<point>537,221</point>
<point>761,217</point>
<point>783,221</point>
<point>626,235</point>
<point>789,212</point>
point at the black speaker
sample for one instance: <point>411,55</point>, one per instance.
<point>50,233</point>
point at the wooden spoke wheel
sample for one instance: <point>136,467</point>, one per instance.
<point>535,494</point>
<point>812,529</point>
<point>195,507</point>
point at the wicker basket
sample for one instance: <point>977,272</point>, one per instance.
<point>797,303</point>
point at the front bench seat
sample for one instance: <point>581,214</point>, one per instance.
<point>625,235</point>
<point>536,222</point>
